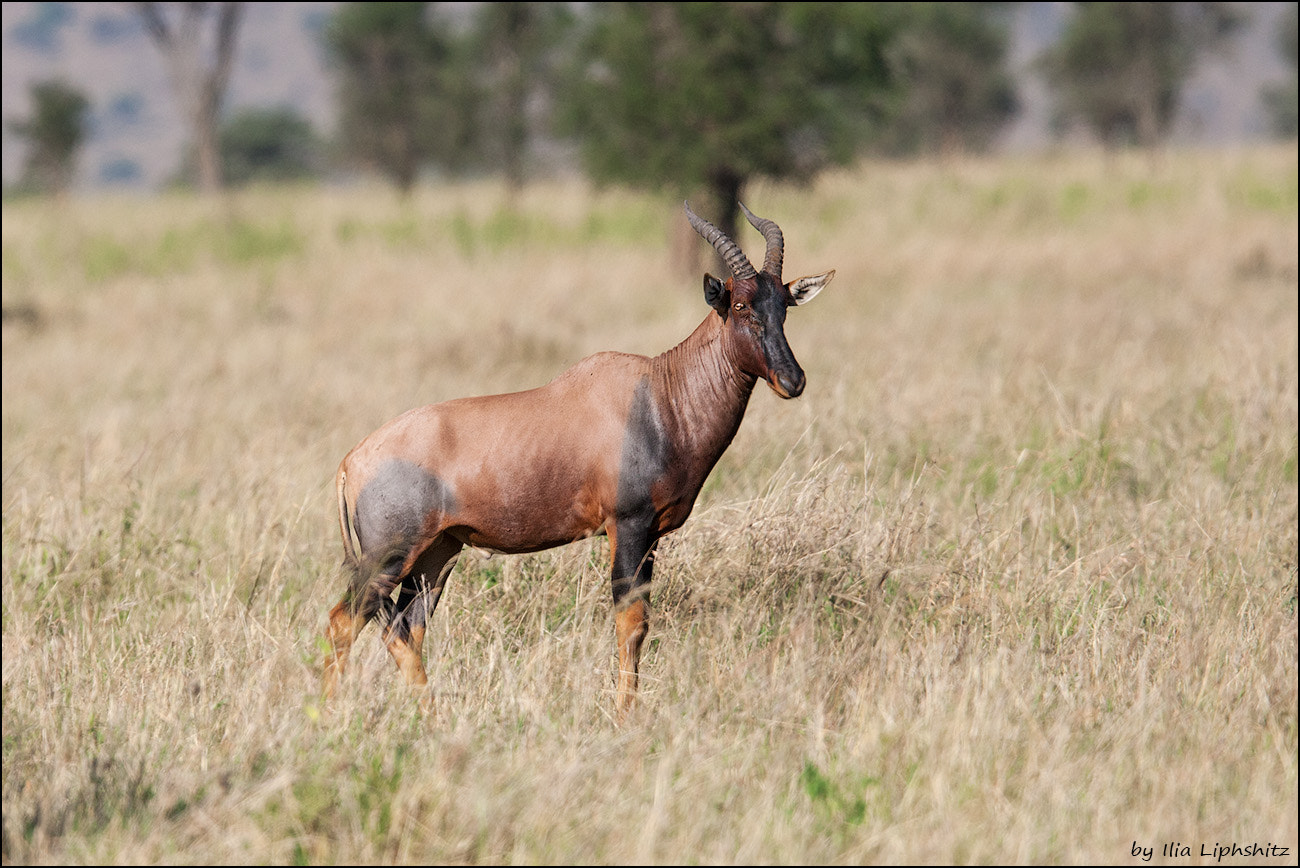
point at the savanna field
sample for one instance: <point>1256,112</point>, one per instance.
<point>1013,581</point>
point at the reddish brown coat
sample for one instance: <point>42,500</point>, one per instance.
<point>618,444</point>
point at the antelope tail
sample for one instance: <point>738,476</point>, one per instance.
<point>363,602</point>
<point>345,526</point>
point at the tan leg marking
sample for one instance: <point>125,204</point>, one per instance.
<point>340,634</point>
<point>630,627</point>
<point>406,654</point>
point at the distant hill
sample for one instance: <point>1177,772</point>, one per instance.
<point>137,136</point>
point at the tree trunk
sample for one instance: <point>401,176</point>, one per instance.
<point>683,244</point>
<point>207,146</point>
<point>725,186</point>
<point>200,87</point>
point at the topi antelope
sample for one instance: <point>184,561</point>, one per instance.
<point>618,445</point>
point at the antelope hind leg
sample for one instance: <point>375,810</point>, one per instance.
<point>416,600</point>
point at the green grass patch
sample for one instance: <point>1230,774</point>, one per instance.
<point>512,228</point>
<point>180,250</point>
<point>1249,188</point>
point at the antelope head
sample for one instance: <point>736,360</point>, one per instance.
<point>752,304</point>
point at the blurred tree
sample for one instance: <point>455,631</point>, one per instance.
<point>690,95</point>
<point>54,131</point>
<point>1120,67</point>
<point>515,47</point>
<point>198,77</point>
<point>949,60</point>
<point>405,92</point>
<point>268,144</point>
<point>1281,100</point>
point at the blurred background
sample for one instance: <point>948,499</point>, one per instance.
<point>695,98</point>
<point>1014,581</point>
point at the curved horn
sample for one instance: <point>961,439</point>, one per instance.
<point>775,241</point>
<point>727,249</point>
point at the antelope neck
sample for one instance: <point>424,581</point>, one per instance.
<point>700,391</point>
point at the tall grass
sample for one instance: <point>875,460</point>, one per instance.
<point>1014,580</point>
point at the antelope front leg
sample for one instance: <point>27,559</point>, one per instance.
<point>634,552</point>
<point>631,625</point>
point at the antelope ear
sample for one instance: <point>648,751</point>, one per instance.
<point>715,293</point>
<point>803,289</point>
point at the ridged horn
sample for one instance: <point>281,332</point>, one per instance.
<point>775,241</point>
<point>727,249</point>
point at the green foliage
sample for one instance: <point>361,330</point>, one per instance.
<point>955,90</point>
<point>690,95</point>
<point>419,89</point>
<point>54,132</point>
<point>1120,67</point>
<point>268,144</point>
<point>404,90</point>
<point>1281,100</point>
<point>513,46</point>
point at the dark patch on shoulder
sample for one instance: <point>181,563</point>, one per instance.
<point>394,506</point>
<point>645,455</point>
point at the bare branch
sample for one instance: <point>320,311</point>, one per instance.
<point>227,25</point>
<point>198,81</point>
<point>155,23</point>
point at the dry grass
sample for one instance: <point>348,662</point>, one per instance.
<point>1014,580</point>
